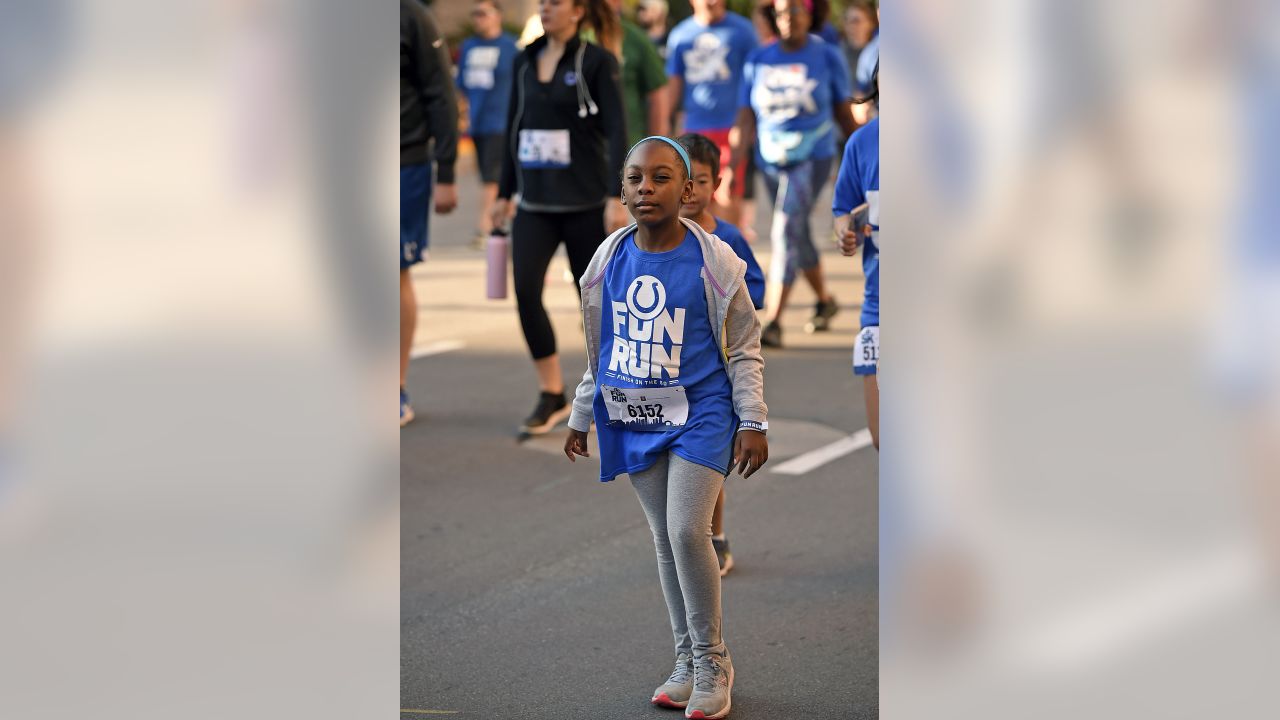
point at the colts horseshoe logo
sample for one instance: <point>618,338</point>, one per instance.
<point>646,298</point>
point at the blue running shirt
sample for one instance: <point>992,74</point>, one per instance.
<point>657,355</point>
<point>485,74</point>
<point>792,94</point>
<point>729,233</point>
<point>857,183</point>
<point>709,60</point>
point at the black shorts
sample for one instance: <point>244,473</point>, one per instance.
<point>489,156</point>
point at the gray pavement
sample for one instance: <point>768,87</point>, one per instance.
<point>529,589</point>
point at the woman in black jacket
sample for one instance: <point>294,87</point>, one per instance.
<point>566,141</point>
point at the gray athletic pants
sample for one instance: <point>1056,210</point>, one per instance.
<point>678,497</point>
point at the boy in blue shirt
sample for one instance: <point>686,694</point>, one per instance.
<point>705,159</point>
<point>856,206</point>
<point>705,156</point>
<point>484,74</point>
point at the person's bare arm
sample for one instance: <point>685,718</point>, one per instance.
<point>659,112</point>
<point>743,136</point>
<point>675,93</point>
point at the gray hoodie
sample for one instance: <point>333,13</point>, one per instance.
<point>735,325</point>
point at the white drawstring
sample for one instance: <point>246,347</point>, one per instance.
<point>585,102</point>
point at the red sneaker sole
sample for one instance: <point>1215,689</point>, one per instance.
<point>666,702</point>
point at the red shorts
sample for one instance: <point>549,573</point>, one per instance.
<point>721,139</point>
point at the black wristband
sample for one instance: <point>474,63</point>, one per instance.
<point>752,425</point>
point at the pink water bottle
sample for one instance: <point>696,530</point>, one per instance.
<point>496,249</point>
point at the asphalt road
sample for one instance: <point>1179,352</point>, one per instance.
<point>529,589</point>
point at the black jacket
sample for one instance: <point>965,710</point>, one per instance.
<point>428,109</point>
<point>589,107</point>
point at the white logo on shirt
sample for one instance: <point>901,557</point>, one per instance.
<point>481,64</point>
<point>784,92</point>
<point>707,60</point>
<point>641,325</point>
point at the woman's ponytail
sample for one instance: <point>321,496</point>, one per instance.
<point>604,23</point>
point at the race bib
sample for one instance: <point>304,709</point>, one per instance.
<point>544,148</point>
<point>478,78</point>
<point>866,351</point>
<point>652,409</point>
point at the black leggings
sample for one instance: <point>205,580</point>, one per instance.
<point>534,239</point>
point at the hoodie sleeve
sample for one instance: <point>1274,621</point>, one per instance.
<point>746,364</point>
<point>432,60</point>
<point>608,96</point>
<point>583,401</point>
<point>507,183</point>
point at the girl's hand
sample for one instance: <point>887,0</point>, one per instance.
<point>576,444</point>
<point>750,452</point>
<point>446,198</point>
<point>498,216</point>
<point>848,237</point>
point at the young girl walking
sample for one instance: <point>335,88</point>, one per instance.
<point>675,384</point>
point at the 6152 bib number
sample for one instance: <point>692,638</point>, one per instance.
<point>646,408</point>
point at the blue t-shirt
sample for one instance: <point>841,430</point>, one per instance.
<point>857,183</point>
<point>709,60</point>
<point>792,94</point>
<point>829,33</point>
<point>755,276</point>
<point>656,335</point>
<point>484,74</point>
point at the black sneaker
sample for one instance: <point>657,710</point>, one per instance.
<point>823,311</point>
<point>771,335</point>
<point>723,556</point>
<point>550,410</point>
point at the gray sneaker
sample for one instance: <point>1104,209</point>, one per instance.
<point>674,693</point>
<point>712,682</point>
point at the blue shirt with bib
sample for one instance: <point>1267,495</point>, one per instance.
<point>485,74</point>
<point>792,94</point>
<point>661,384</point>
<point>730,233</point>
<point>857,183</point>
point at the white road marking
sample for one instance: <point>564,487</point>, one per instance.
<point>437,348</point>
<point>1150,607</point>
<point>801,464</point>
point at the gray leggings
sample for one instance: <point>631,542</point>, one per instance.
<point>678,497</point>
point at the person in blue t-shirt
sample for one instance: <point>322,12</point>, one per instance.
<point>704,154</point>
<point>856,206</point>
<point>675,384</point>
<point>705,56</point>
<point>705,159</point>
<point>484,74</point>
<point>793,95</point>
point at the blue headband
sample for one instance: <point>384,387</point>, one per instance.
<point>688,166</point>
